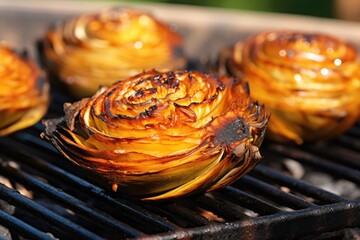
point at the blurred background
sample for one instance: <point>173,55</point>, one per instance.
<point>342,9</point>
<point>323,8</point>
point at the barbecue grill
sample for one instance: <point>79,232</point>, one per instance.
<point>307,192</point>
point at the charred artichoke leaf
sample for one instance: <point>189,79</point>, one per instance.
<point>100,48</point>
<point>24,91</point>
<point>309,82</point>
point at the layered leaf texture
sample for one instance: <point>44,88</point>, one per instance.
<point>161,135</point>
<point>309,82</point>
<point>24,92</point>
<point>101,48</point>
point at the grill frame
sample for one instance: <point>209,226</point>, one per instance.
<point>43,170</point>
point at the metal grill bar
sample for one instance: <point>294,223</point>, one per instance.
<point>355,131</point>
<point>272,192</point>
<point>126,208</point>
<point>15,198</point>
<point>284,225</point>
<point>71,202</point>
<point>316,161</point>
<point>219,208</point>
<point>337,154</point>
<point>161,211</point>
<point>349,141</point>
<point>21,227</point>
<point>34,141</point>
<point>294,184</point>
<point>249,201</point>
<point>187,214</point>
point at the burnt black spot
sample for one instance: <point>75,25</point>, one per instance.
<point>157,78</point>
<point>121,116</point>
<point>235,160</point>
<point>309,37</point>
<point>148,112</point>
<point>233,132</point>
<point>140,81</point>
<point>174,84</point>
<point>110,92</point>
<point>165,80</point>
<point>143,114</point>
<point>102,117</point>
<point>139,93</point>
<point>293,38</point>
<point>107,107</point>
<point>171,75</point>
<point>148,79</point>
<point>190,76</point>
<point>152,90</point>
<point>221,87</point>
<point>246,87</point>
<point>220,83</point>
<point>170,80</point>
<point>153,108</point>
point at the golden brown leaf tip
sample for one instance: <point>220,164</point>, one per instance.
<point>161,135</point>
<point>24,92</point>
<point>98,49</point>
<point>309,82</point>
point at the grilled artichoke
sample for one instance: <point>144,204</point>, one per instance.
<point>162,135</point>
<point>98,49</point>
<point>24,92</point>
<point>309,82</point>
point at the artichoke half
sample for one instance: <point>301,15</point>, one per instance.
<point>24,92</point>
<point>310,83</point>
<point>161,135</point>
<point>100,48</point>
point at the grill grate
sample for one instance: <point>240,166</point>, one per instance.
<point>266,203</point>
<point>55,200</point>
